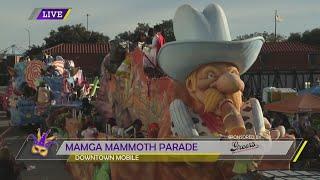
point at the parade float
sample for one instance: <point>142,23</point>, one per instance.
<point>37,87</point>
<point>130,102</point>
<point>140,104</point>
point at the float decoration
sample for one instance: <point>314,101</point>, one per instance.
<point>33,72</point>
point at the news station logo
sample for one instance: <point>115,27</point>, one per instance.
<point>50,14</point>
<point>240,146</point>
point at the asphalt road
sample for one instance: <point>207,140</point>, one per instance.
<point>38,169</point>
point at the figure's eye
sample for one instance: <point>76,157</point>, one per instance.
<point>211,75</point>
<point>36,148</point>
<point>234,72</point>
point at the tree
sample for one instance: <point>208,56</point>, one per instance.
<point>311,37</point>
<point>295,37</point>
<point>308,37</point>
<point>68,34</point>
<point>167,28</point>
<point>74,34</point>
<point>133,36</point>
<point>34,51</point>
<point>269,37</point>
<point>166,25</point>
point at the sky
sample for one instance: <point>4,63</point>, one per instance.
<point>111,17</point>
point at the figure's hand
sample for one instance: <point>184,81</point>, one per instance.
<point>277,132</point>
<point>232,119</point>
<point>267,125</point>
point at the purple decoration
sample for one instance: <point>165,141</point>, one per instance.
<point>34,138</point>
<point>42,141</point>
<point>43,138</point>
<point>50,143</point>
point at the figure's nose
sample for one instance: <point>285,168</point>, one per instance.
<point>228,83</point>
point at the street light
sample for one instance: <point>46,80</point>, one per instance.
<point>87,21</point>
<point>28,36</point>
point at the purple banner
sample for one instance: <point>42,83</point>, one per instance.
<point>53,14</point>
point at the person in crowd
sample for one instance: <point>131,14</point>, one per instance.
<point>90,131</point>
<point>292,132</point>
<point>27,59</point>
<point>59,58</point>
<point>276,122</point>
<point>303,124</point>
<point>150,36</point>
<point>142,38</point>
<point>158,40</point>
<point>149,59</point>
<point>280,120</point>
<point>77,89</point>
<point>296,127</point>
<point>86,106</point>
<point>48,59</point>
<point>9,168</point>
<point>311,152</point>
<point>285,121</point>
<point>307,122</point>
<point>153,46</point>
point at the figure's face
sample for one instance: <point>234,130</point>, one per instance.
<point>209,74</point>
<point>213,82</point>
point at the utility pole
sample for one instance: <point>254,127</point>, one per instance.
<point>87,22</point>
<point>275,25</point>
<point>28,37</point>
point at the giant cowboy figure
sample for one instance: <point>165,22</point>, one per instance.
<point>209,64</point>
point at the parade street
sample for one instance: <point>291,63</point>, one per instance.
<point>31,170</point>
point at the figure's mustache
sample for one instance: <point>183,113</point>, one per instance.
<point>212,99</point>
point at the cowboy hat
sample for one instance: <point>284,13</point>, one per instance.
<point>203,38</point>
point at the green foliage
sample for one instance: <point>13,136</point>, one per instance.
<point>295,37</point>
<point>67,34</point>
<point>309,37</point>
<point>34,51</point>
<point>74,34</point>
<point>166,25</point>
<point>133,36</point>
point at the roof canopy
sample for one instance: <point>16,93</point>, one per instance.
<point>288,47</point>
<point>79,48</point>
<point>297,104</point>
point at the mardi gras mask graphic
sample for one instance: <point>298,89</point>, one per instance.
<point>42,143</point>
